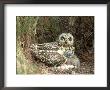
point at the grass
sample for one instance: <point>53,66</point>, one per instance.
<point>24,66</point>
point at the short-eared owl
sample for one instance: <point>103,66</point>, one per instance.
<point>57,53</point>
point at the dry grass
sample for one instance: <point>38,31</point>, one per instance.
<point>23,65</point>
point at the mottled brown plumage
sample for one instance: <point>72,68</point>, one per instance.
<point>56,53</point>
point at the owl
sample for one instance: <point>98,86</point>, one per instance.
<point>56,53</point>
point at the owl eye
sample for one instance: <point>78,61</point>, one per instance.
<point>70,39</point>
<point>62,38</point>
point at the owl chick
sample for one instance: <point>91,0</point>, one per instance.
<point>55,53</point>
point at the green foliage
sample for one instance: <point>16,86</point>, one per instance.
<point>24,66</point>
<point>25,24</point>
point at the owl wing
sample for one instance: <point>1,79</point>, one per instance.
<point>48,46</point>
<point>43,47</point>
<point>51,58</point>
<point>48,53</point>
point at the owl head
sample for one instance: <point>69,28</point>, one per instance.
<point>66,39</point>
